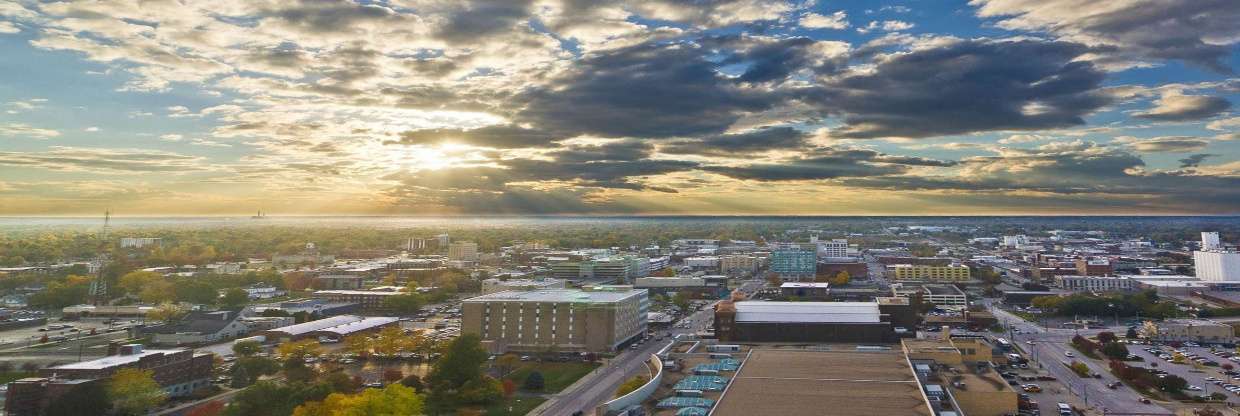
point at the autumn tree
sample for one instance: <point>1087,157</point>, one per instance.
<point>134,391</point>
<point>393,400</point>
<point>840,279</point>
<point>211,408</point>
<point>234,297</point>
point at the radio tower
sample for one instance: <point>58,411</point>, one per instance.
<point>98,287</point>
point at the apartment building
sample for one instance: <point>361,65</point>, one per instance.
<point>1095,283</point>
<point>952,272</point>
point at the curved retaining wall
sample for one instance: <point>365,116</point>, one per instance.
<point>636,397</point>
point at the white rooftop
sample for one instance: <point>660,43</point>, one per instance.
<point>558,295</point>
<point>114,360</point>
<point>816,312</point>
<point>321,324</point>
<point>805,284</point>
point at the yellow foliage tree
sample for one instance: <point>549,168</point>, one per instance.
<point>840,279</point>
<point>393,400</point>
<point>134,391</point>
<point>303,348</point>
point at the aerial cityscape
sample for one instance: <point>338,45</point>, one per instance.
<point>619,207</point>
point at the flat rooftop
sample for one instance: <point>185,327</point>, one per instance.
<point>798,382</point>
<point>822,312</point>
<point>114,360</point>
<point>558,295</point>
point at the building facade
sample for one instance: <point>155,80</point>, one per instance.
<point>596,319</point>
<point>1095,283</point>
<point>794,264</point>
<point>738,263</point>
<point>1217,266</point>
<point>1195,330</point>
<point>952,273</point>
<point>463,251</point>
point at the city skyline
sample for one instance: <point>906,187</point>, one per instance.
<point>743,107</point>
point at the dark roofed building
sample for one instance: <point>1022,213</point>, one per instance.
<point>199,328</point>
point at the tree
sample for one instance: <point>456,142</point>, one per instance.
<point>134,391</point>
<point>196,291</point>
<point>82,400</point>
<point>393,375</point>
<point>506,363</point>
<point>406,304</point>
<point>1048,304</point>
<point>167,312</point>
<point>509,387</point>
<point>1172,383</point>
<point>300,349</point>
<point>1115,350</point>
<point>1132,333</point>
<point>211,408</point>
<point>840,279</point>
<point>393,400</point>
<point>1106,337</point>
<point>1079,368</point>
<point>234,297</point>
<point>534,381</point>
<point>247,348</point>
<point>247,370</point>
<point>413,381</point>
<point>681,300</point>
<point>460,364</point>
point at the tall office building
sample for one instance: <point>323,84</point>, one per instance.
<point>598,319</point>
<point>794,263</point>
<point>1210,241</point>
<point>832,248</point>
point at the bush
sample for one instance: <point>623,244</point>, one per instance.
<point>1079,368</point>
<point>534,382</point>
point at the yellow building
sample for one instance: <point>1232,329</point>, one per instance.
<point>950,273</point>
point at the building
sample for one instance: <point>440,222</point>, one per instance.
<point>338,282</point>
<point>367,299</point>
<point>1094,283</point>
<point>1014,241</point>
<point>703,263</point>
<point>335,327</point>
<point>943,296</point>
<point>754,321</point>
<point>948,370</point>
<point>616,268</point>
<point>490,286</point>
<point>463,251</point>
<point>597,319</point>
<point>846,380</point>
<point>263,292</point>
<point>310,255</point>
<point>1202,331</point>
<point>317,306</point>
<point>832,266</point>
<point>1217,266</point>
<point>707,287</point>
<point>805,290</point>
<point>948,273</point>
<point>139,242</point>
<point>833,248</point>
<point>794,263</point>
<point>1093,267</point>
<point>178,371</point>
<point>739,263</point>
<point>199,328</point>
<point>1210,241</point>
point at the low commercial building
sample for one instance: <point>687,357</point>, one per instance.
<point>1093,267</point>
<point>844,380</point>
<point>739,263</point>
<point>107,311</point>
<point>806,290</point>
<point>1094,283</point>
<point>947,369</point>
<point>1196,330</point>
<point>708,287</point>
<point>490,286</point>
<point>178,371</point>
<point>597,319</point>
<point>199,328</point>
<point>335,327</point>
<point>703,263</point>
<point>818,322</point>
<point>948,273</point>
<point>140,242</point>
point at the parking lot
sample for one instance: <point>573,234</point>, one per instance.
<point>1204,377</point>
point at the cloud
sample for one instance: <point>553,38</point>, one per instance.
<point>96,160</point>
<point>978,85</point>
<point>1164,144</point>
<point>837,20</point>
<point>1200,32</point>
<point>1232,123</point>
<point>757,140</point>
<point>825,163</point>
<point>885,26</point>
<point>1193,161</point>
<point>24,130</point>
<point>9,28</point>
<point>1173,105</point>
<point>498,136</point>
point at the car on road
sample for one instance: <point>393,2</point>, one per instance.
<point>1144,400</point>
<point>1069,354</point>
<point>1114,385</point>
<point>1031,388</point>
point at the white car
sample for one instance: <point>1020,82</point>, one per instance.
<point>1069,354</point>
<point>1194,388</point>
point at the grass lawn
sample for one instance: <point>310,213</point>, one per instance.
<point>520,406</point>
<point>9,376</point>
<point>557,376</point>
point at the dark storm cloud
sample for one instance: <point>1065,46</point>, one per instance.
<point>1193,161</point>
<point>759,140</point>
<point>622,150</point>
<point>773,60</point>
<point>826,163</point>
<point>649,91</point>
<point>965,87</point>
<point>1199,32</point>
<point>498,136</point>
<point>480,19</point>
<point>1186,108</point>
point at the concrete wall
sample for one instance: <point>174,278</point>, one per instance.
<point>636,397</point>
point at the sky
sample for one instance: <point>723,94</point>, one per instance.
<point>711,107</point>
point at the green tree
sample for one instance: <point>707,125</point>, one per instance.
<point>534,381</point>
<point>506,363</point>
<point>247,348</point>
<point>461,363</point>
<point>393,400</point>
<point>134,391</point>
<point>82,400</point>
<point>1115,350</point>
<point>407,304</point>
<point>412,381</point>
<point>1132,333</point>
<point>234,297</point>
<point>195,291</point>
